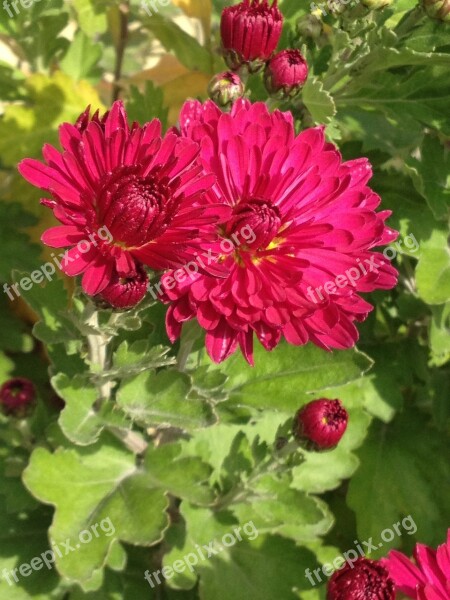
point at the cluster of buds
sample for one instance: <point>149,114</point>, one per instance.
<point>17,398</point>
<point>250,34</point>
<point>361,579</point>
<point>437,9</point>
<point>320,424</point>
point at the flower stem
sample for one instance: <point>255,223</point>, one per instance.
<point>98,353</point>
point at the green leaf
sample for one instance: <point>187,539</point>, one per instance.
<point>49,301</point>
<point>132,359</point>
<point>404,471</point>
<point>221,446</point>
<point>91,15</point>
<point>440,333</point>
<point>428,36</point>
<point>80,423</point>
<point>162,398</point>
<point>149,105</point>
<point>23,537</point>
<point>82,57</point>
<point>283,378</point>
<point>186,48</point>
<point>385,53</point>
<point>258,567</point>
<point>422,97</point>
<point>51,100</point>
<point>15,337</point>
<point>431,176</point>
<point>270,509</point>
<point>184,477</point>
<point>318,101</point>
<point>14,241</point>
<point>433,270</point>
<point>107,489</point>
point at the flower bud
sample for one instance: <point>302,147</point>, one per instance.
<point>310,26</point>
<point>376,4</point>
<point>363,578</point>
<point>437,9</point>
<point>286,73</point>
<point>124,293</point>
<point>18,397</point>
<point>225,88</point>
<point>250,33</point>
<point>320,424</point>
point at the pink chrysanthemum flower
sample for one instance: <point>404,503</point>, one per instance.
<point>124,196</point>
<point>428,578</point>
<point>301,218</point>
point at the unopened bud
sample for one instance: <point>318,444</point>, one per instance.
<point>320,424</point>
<point>437,9</point>
<point>225,88</point>
<point>18,397</point>
<point>286,73</point>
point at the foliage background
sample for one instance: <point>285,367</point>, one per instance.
<point>382,86</point>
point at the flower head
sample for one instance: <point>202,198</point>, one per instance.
<point>123,195</point>
<point>321,423</point>
<point>363,580</point>
<point>286,72</point>
<point>17,397</point>
<point>300,219</point>
<point>225,88</point>
<point>428,578</point>
<point>250,33</point>
<point>437,9</point>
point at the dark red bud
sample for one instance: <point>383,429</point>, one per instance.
<point>18,397</point>
<point>286,72</point>
<point>321,423</point>
<point>124,293</point>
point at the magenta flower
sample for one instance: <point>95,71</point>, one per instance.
<point>286,72</point>
<point>300,218</point>
<point>17,397</point>
<point>362,580</point>
<point>426,579</point>
<point>321,423</point>
<point>126,292</point>
<point>250,33</point>
<point>123,195</point>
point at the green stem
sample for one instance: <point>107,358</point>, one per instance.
<point>98,351</point>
